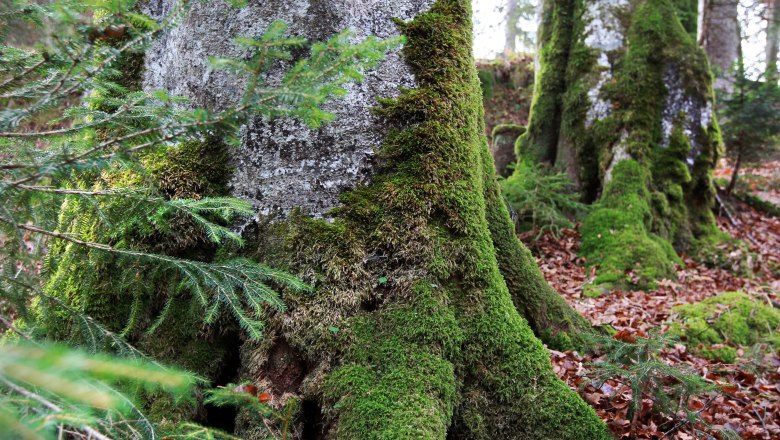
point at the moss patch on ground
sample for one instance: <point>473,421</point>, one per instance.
<point>715,326</point>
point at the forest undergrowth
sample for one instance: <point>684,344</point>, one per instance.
<point>746,403</point>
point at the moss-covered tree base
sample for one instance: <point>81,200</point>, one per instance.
<point>624,104</point>
<point>412,331</point>
<point>415,327</point>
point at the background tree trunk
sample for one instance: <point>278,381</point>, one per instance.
<point>772,38</point>
<point>624,83</point>
<point>412,331</point>
<point>720,38</point>
<point>510,46</point>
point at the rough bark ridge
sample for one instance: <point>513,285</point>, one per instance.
<point>623,81</point>
<point>720,39</point>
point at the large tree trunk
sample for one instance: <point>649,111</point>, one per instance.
<point>720,38</point>
<point>624,104</point>
<point>413,330</point>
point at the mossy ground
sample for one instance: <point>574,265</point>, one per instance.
<point>716,326</point>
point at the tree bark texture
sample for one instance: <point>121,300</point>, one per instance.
<point>623,92</point>
<point>427,310</point>
<point>720,38</point>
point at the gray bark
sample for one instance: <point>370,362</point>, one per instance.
<point>772,38</point>
<point>510,46</point>
<point>284,164</point>
<point>502,147</point>
<point>720,38</point>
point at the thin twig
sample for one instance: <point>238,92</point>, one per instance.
<point>13,328</point>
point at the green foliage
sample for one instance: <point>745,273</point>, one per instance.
<point>635,362</point>
<point>716,325</point>
<point>616,236</point>
<point>543,200</point>
<point>49,390</point>
<point>750,120</point>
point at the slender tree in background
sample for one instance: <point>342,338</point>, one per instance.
<point>720,38</point>
<point>511,28</point>
<point>623,102</point>
<point>772,38</point>
<point>426,312</point>
<point>516,10</point>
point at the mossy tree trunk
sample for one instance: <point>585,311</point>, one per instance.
<point>427,312</point>
<point>623,103</point>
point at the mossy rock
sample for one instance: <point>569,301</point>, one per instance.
<point>714,326</point>
<point>511,129</point>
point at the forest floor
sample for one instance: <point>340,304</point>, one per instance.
<point>748,403</point>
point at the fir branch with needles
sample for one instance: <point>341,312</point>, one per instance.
<point>85,206</point>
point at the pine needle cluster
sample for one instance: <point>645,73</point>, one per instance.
<point>634,361</point>
<point>542,200</point>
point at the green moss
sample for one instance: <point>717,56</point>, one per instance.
<point>616,235</point>
<point>758,203</point>
<point>560,25</point>
<point>487,83</point>
<point>101,287</point>
<point>437,349</point>
<point>192,169</point>
<point>548,314</point>
<point>593,290</point>
<point>723,353</point>
<point>507,128</point>
<point>734,319</point>
<point>398,363</point>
